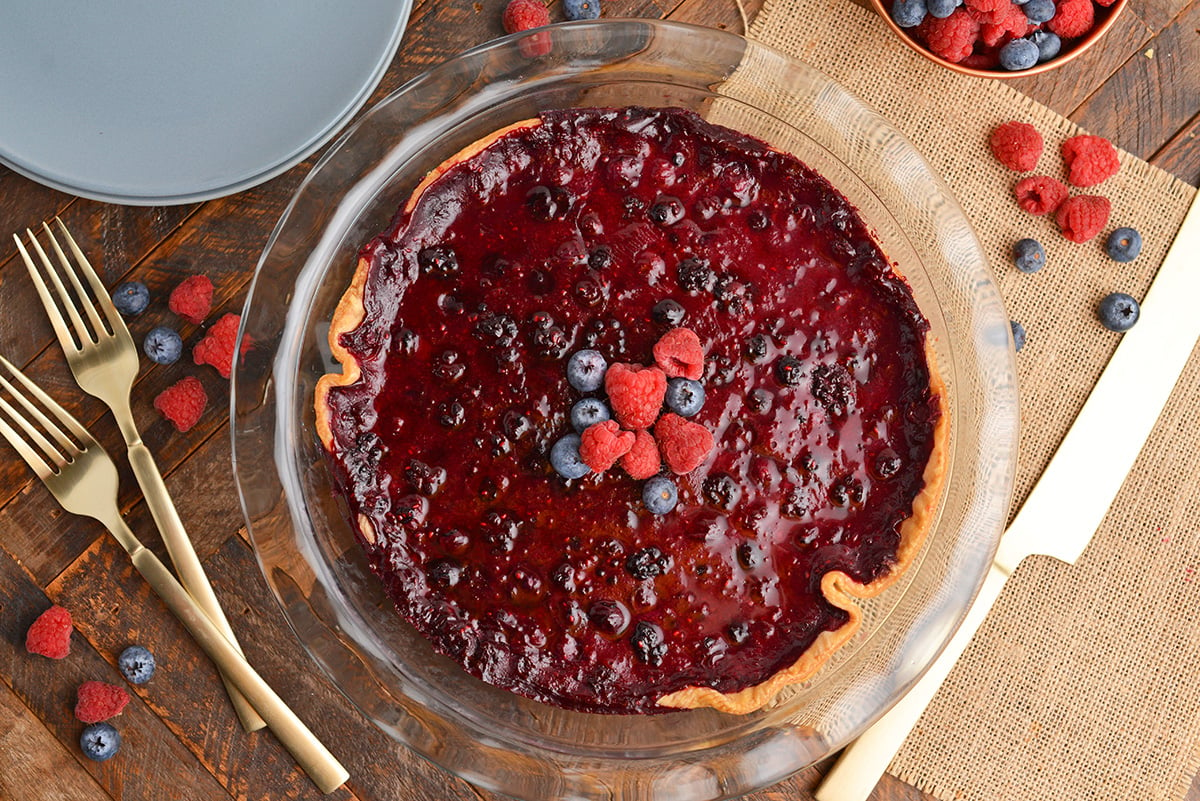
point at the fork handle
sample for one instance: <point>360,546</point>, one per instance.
<point>321,766</point>
<point>187,563</point>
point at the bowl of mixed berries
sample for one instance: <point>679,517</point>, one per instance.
<point>1000,38</point>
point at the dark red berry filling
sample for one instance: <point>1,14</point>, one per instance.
<point>601,229</point>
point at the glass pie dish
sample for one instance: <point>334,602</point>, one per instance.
<point>307,549</point>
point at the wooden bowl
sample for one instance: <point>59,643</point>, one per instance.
<point>1105,18</point>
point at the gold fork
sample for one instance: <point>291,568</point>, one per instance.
<point>83,478</point>
<point>104,360</point>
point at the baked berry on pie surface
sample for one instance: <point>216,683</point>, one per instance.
<point>764,444</point>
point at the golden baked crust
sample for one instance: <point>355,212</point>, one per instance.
<point>838,588</point>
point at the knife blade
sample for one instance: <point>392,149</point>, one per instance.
<point>1070,499</point>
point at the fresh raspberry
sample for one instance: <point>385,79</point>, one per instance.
<point>988,6</point>
<point>182,402</point>
<point>97,701</point>
<point>192,299</point>
<point>635,394</point>
<point>1016,145</point>
<point>1073,18</point>
<point>951,38</point>
<point>1010,23</point>
<point>643,459</point>
<point>217,346</point>
<point>679,354</point>
<point>50,634</point>
<point>1090,160</point>
<point>684,444</point>
<point>603,444</point>
<point>1040,194</point>
<point>988,59</point>
<point>521,15</point>
<point>1083,216</point>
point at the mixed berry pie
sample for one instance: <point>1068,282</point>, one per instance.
<point>632,411</point>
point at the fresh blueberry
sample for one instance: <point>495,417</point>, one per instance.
<point>565,459</point>
<point>585,370</point>
<point>588,412</point>
<point>1039,11</point>
<point>1118,311</point>
<point>163,345</point>
<point>1019,54</point>
<point>1048,44</point>
<point>908,13</point>
<point>131,298</point>
<point>1124,244</point>
<point>581,9</point>
<point>1029,255</point>
<point>1018,334</point>
<point>942,8</point>
<point>684,396</point>
<point>136,664</point>
<point>99,741</point>
<point>660,495</point>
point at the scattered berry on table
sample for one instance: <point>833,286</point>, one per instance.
<point>660,495</point>
<point>192,299</point>
<point>1019,54</point>
<point>1029,256</point>
<point>565,459</point>
<point>163,345</point>
<point>1039,11</point>
<point>684,444</point>
<point>137,664</point>
<point>50,634</point>
<point>1083,216</point>
<point>521,15</point>
<point>99,742</point>
<point>1040,194</point>
<point>587,412</point>
<point>581,9</point>
<point>635,394</point>
<point>952,38</point>
<point>942,8</point>
<point>1018,335</point>
<point>602,445</point>
<point>1124,244</point>
<point>1118,311</point>
<point>679,353</point>
<point>1016,145</point>
<point>182,403</point>
<point>96,701</point>
<point>131,298</point>
<point>1090,160</point>
<point>684,396</point>
<point>908,13</point>
<point>643,459</point>
<point>217,347</point>
<point>1072,18</point>
<point>1048,45</point>
<point>586,369</point>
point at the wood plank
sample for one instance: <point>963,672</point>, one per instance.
<point>150,759</point>
<point>30,757</point>
<point>1157,86</point>
<point>1181,156</point>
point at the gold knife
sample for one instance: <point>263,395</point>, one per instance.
<point>1071,498</point>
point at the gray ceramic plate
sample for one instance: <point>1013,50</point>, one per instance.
<point>149,103</point>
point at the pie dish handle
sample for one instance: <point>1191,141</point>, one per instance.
<point>864,761</point>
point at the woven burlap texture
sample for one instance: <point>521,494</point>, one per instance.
<point>1083,682</point>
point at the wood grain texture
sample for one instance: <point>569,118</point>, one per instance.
<point>181,737</point>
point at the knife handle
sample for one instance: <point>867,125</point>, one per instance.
<point>864,761</point>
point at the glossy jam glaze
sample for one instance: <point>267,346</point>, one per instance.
<point>568,235</point>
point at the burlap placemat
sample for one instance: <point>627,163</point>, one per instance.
<point>1083,682</point>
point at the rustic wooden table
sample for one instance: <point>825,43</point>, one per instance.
<point>1141,88</point>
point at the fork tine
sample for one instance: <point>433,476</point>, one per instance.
<point>27,453</point>
<point>56,319</point>
<point>83,265</point>
<point>64,417</point>
<point>72,273</point>
<point>82,335</point>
